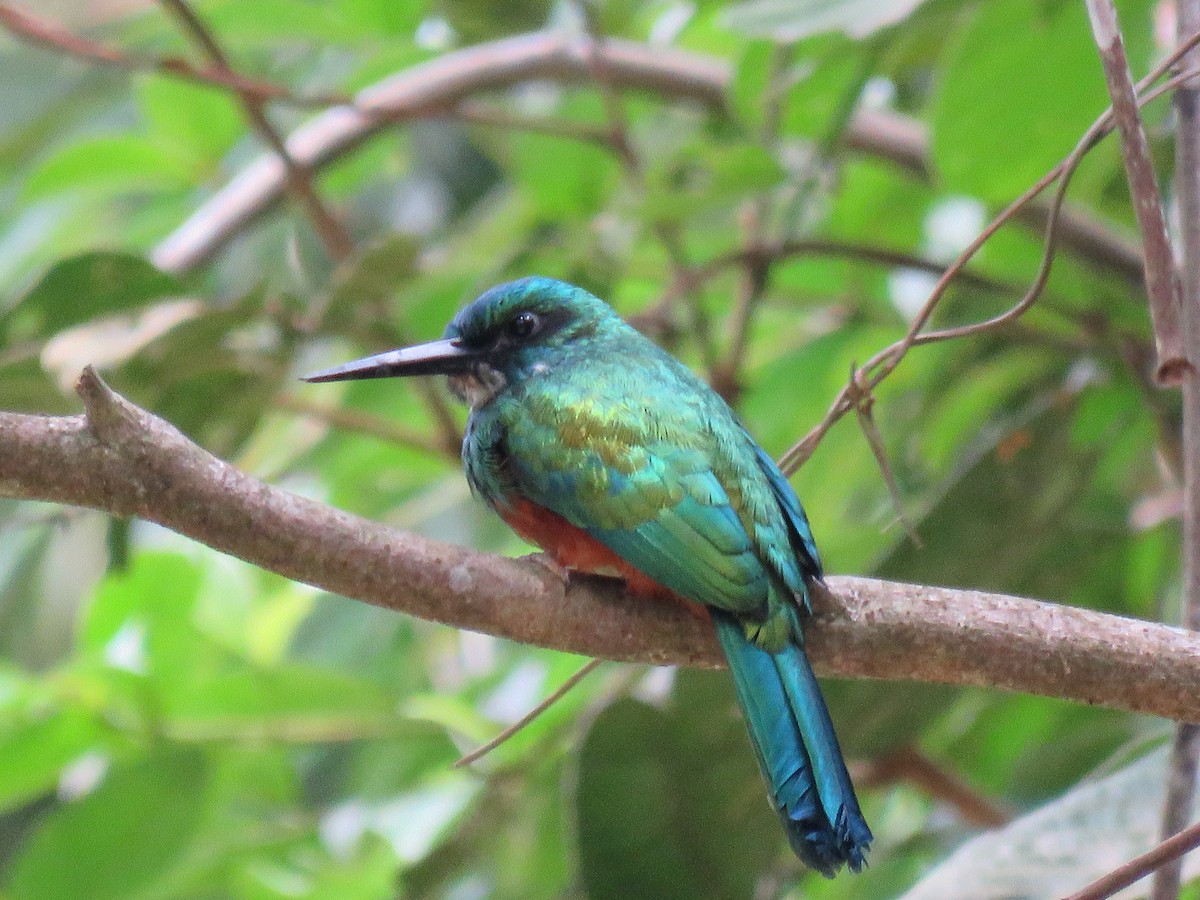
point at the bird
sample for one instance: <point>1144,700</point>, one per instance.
<point>596,445</point>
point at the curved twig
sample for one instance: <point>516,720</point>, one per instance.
<point>883,363</point>
<point>440,86</point>
<point>121,459</point>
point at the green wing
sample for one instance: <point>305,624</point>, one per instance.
<point>651,493</point>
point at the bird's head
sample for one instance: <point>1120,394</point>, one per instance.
<point>513,331</point>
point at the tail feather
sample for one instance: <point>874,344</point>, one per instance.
<point>797,751</point>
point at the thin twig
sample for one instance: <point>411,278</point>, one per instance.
<point>1181,784</point>
<point>725,376</point>
<point>884,256</point>
<point>54,518</point>
<point>332,233</point>
<point>484,749</point>
<point>781,252</point>
<point>863,407</point>
<point>668,236</point>
<point>756,273</point>
<point>477,113</point>
<point>885,361</point>
<point>1138,868</point>
<point>362,423</point>
<point>910,765</point>
<point>1162,281</point>
<point>437,86</point>
<point>52,36</point>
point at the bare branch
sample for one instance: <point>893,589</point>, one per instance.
<point>1162,285</point>
<point>438,86</point>
<point>844,249</point>
<point>365,423</point>
<point>912,766</point>
<point>523,722</point>
<point>1138,868</point>
<point>1177,808</point>
<point>121,459</point>
<point>53,37</point>
<point>434,87</point>
<point>298,179</point>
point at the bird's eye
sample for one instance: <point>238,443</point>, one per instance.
<point>523,325</point>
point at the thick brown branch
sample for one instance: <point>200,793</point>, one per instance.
<point>121,459</point>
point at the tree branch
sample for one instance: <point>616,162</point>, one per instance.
<point>883,363</point>
<point>121,459</point>
<point>439,86</point>
<point>297,178</point>
<point>1162,283</point>
<point>52,36</point>
<point>1138,868</point>
<point>1185,750</point>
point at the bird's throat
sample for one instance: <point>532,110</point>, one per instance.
<point>479,386</point>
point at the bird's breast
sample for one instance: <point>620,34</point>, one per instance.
<point>574,548</point>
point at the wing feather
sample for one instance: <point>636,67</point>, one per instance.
<point>659,507</point>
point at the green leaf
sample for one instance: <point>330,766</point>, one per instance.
<point>121,840</point>
<point>116,164</point>
<point>563,178</point>
<point>822,86</point>
<point>669,802</point>
<point>39,736</point>
<point>159,589</point>
<point>203,122</point>
<point>791,20</point>
<point>1056,850</point>
<point>320,23</point>
<point>289,703</point>
<point>1002,115</point>
<point>704,176</point>
<point>742,168</point>
<point>750,81</point>
<point>87,287</point>
<point>1023,470</point>
<point>372,278</point>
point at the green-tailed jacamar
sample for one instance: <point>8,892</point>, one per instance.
<point>596,445</point>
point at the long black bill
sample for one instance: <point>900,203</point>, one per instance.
<point>446,357</point>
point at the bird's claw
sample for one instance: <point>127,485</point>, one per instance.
<point>551,565</point>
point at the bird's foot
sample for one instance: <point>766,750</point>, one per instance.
<point>551,565</point>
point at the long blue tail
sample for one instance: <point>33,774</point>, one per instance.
<point>797,751</point>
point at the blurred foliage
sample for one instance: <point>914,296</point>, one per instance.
<point>176,724</point>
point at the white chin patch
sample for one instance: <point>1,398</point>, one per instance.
<point>479,386</point>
